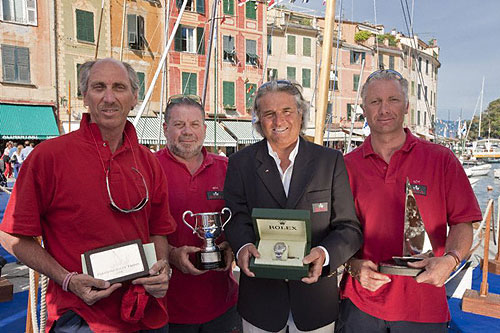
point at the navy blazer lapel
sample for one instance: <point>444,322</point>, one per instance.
<point>269,174</point>
<point>303,171</point>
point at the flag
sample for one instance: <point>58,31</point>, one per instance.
<point>223,19</point>
<point>271,4</point>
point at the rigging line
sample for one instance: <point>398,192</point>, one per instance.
<point>376,39</point>
<point>415,48</point>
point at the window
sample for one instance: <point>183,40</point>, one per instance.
<point>16,64</point>
<point>306,47</point>
<point>427,67</point>
<point>189,39</point>
<point>191,5</point>
<point>229,51</point>
<point>405,60</point>
<point>425,92</point>
<point>391,62</point>
<point>334,81</point>
<point>272,74</point>
<point>412,120</point>
<point>251,56</point>
<point>355,81</point>
<point>251,10</point>
<point>425,118</point>
<point>420,63</point>
<point>228,99</point>
<point>19,11</point>
<point>78,91</point>
<point>306,78</point>
<point>291,73</point>
<point>381,61</point>
<point>250,89</point>
<point>84,26</point>
<point>269,44</point>
<point>290,44</point>
<point>418,118</point>
<point>419,93</point>
<point>413,88</point>
<point>350,110</point>
<point>135,26</point>
<point>142,85</point>
<point>228,7</point>
<point>357,57</point>
<point>189,84</point>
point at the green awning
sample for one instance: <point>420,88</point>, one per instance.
<point>22,122</point>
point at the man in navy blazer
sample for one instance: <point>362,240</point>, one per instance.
<point>285,171</point>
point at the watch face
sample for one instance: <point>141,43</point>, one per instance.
<point>279,249</point>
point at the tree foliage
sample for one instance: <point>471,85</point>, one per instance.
<point>489,118</point>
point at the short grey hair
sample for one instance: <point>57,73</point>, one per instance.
<point>291,88</point>
<point>183,101</point>
<point>84,73</point>
<point>385,75</point>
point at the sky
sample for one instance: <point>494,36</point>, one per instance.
<point>468,34</point>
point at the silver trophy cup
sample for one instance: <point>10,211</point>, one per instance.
<point>208,226</point>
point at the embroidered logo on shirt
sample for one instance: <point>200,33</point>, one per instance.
<point>215,195</point>
<point>320,207</point>
<point>419,189</point>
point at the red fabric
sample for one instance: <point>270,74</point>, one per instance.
<point>61,194</point>
<point>379,195</point>
<point>196,299</point>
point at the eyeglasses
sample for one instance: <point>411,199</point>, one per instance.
<point>175,99</point>
<point>388,71</point>
<point>137,207</point>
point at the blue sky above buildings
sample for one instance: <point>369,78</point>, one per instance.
<point>468,34</point>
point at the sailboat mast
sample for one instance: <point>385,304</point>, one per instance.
<point>480,110</point>
<point>326,60</point>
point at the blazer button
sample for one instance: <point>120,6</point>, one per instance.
<point>286,280</point>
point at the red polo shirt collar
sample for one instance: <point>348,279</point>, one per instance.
<point>208,160</point>
<point>410,141</point>
<point>91,130</point>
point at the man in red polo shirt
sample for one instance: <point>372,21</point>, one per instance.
<point>93,188</point>
<point>197,301</point>
<point>378,169</point>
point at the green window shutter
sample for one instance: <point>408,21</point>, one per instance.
<point>200,6</point>
<point>290,45</point>
<point>189,83</point>
<point>228,98</point>
<point>228,7</point>
<point>84,25</point>
<point>200,40</point>
<point>355,82</point>
<point>9,63</point>
<point>132,29</point>
<point>250,89</point>
<point>269,44</point>
<point>178,39</point>
<point>290,73</point>
<point>306,47</point>
<point>391,62</point>
<point>306,78</point>
<point>78,91</point>
<point>142,85</point>
<point>251,10</point>
<point>23,64</point>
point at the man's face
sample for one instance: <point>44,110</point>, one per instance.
<point>385,107</point>
<point>280,119</point>
<point>109,96</point>
<point>185,131</point>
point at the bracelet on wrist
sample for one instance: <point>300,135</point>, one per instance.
<point>67,279</point>
<point>455,255</point>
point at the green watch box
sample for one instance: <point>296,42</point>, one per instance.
<point>283,240</point>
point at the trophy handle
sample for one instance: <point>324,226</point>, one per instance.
<point>225,209</point>
<point>184,220</point>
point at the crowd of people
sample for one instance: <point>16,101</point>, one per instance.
<point>13,157</point>
<point>97,187</point>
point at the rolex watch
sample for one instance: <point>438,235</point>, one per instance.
<point>280,251</point>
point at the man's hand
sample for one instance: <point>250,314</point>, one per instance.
<point>91,290</point>
<point>437,270</point>
<point>156,284</point>
<point>244,258</point>
<point>366,272</point>
<point>228,255</point>
<point>317,258</point>
<point>179,257</point>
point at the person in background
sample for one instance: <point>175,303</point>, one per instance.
<point>17,160</point>
<point>28,148</point>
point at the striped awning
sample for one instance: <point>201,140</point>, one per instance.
<point>243,131</point>
<point>149,131</point>
<point>27,122</point>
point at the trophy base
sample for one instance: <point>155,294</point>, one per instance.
<point>209,260</point>
<point>399,266</point>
